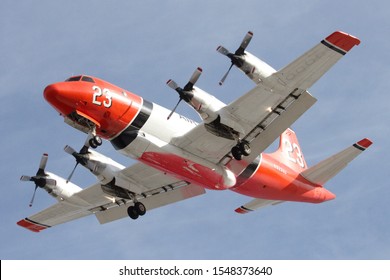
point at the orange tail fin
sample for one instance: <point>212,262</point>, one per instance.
<point>289,152</point>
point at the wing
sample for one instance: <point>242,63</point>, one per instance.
<point>57,214</point>
<point>152,187</point>
<point>307,69</point>
<point>263,113</point>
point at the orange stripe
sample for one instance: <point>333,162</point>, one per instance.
<point>365,143</point>
<point>31,225</point>
<point>343,40</point>
<point>241,211</point>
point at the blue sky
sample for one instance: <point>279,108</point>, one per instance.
<point>139,45</point>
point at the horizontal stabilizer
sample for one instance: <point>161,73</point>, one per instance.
<point>330,167</point>
<point>256,204</point>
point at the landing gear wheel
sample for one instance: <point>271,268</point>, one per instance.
<point>92,144</point>
<point>236,153</point>
<point>140,208</point>
<point>98,141</point>
<point>95,142</point>
<point>132,212</point>
<point>245,148</point>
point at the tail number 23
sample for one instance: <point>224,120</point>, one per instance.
<point>294,153</point>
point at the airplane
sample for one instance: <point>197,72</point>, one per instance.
<point>179,158</point>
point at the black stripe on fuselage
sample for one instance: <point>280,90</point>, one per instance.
<point>249,171</point>
<point>330,46</point>
<point>130,133</point>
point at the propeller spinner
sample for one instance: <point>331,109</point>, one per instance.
<point>237,57</point>
<point>40,179</point>
<point>186,92</point>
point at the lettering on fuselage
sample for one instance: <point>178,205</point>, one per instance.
<point>280,169</point>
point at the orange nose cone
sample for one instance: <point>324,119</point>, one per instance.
<point>50,93</point>
<point>56,96</point>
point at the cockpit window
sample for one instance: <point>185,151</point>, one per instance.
<point>73,79</point>
<point>82,78</point>
<point>87,79</point>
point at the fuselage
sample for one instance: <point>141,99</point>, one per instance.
<point>140,129</point>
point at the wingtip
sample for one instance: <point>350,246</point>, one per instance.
<point>343,40</point>
<point>365,143</point>
<point>31,225</point>
<point>242,210</point>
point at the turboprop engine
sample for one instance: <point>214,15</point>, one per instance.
<point>204,103</point>
<point>54,185</point>
<point>256,69</point>
<point>106,171</point>
<point>101,166</point>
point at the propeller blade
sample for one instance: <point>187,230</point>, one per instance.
<point>225,76</point>
<point>69,150</point>
<point>245,42</point>
<point>174,109</point>
<point>25,178</point>
<point>43,162</point>
<point>172,84</point>
<point>71,174</point>
<point>194,78</point>
<point>223,50</point>
<point>42,165</point>
<point>33,197</point>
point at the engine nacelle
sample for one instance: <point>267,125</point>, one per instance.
<point>205,104</point>
<point>58,188</point>
<point>256,69</point>
<point>104,168</point>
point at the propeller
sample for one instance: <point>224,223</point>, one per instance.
<point>79,156</point>
<point>237,57</point>
<point>186,92</point>
<point>40,179</point>
<point>92,141</point>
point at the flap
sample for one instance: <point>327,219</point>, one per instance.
<point>151,202</point>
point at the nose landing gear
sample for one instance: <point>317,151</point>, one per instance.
<point>95,142</point>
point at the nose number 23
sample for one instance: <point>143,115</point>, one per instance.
<point>102,97</point>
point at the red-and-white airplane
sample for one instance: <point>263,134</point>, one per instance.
<point>180,158</point>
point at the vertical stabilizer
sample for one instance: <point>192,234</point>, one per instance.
<point>289,151</point>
